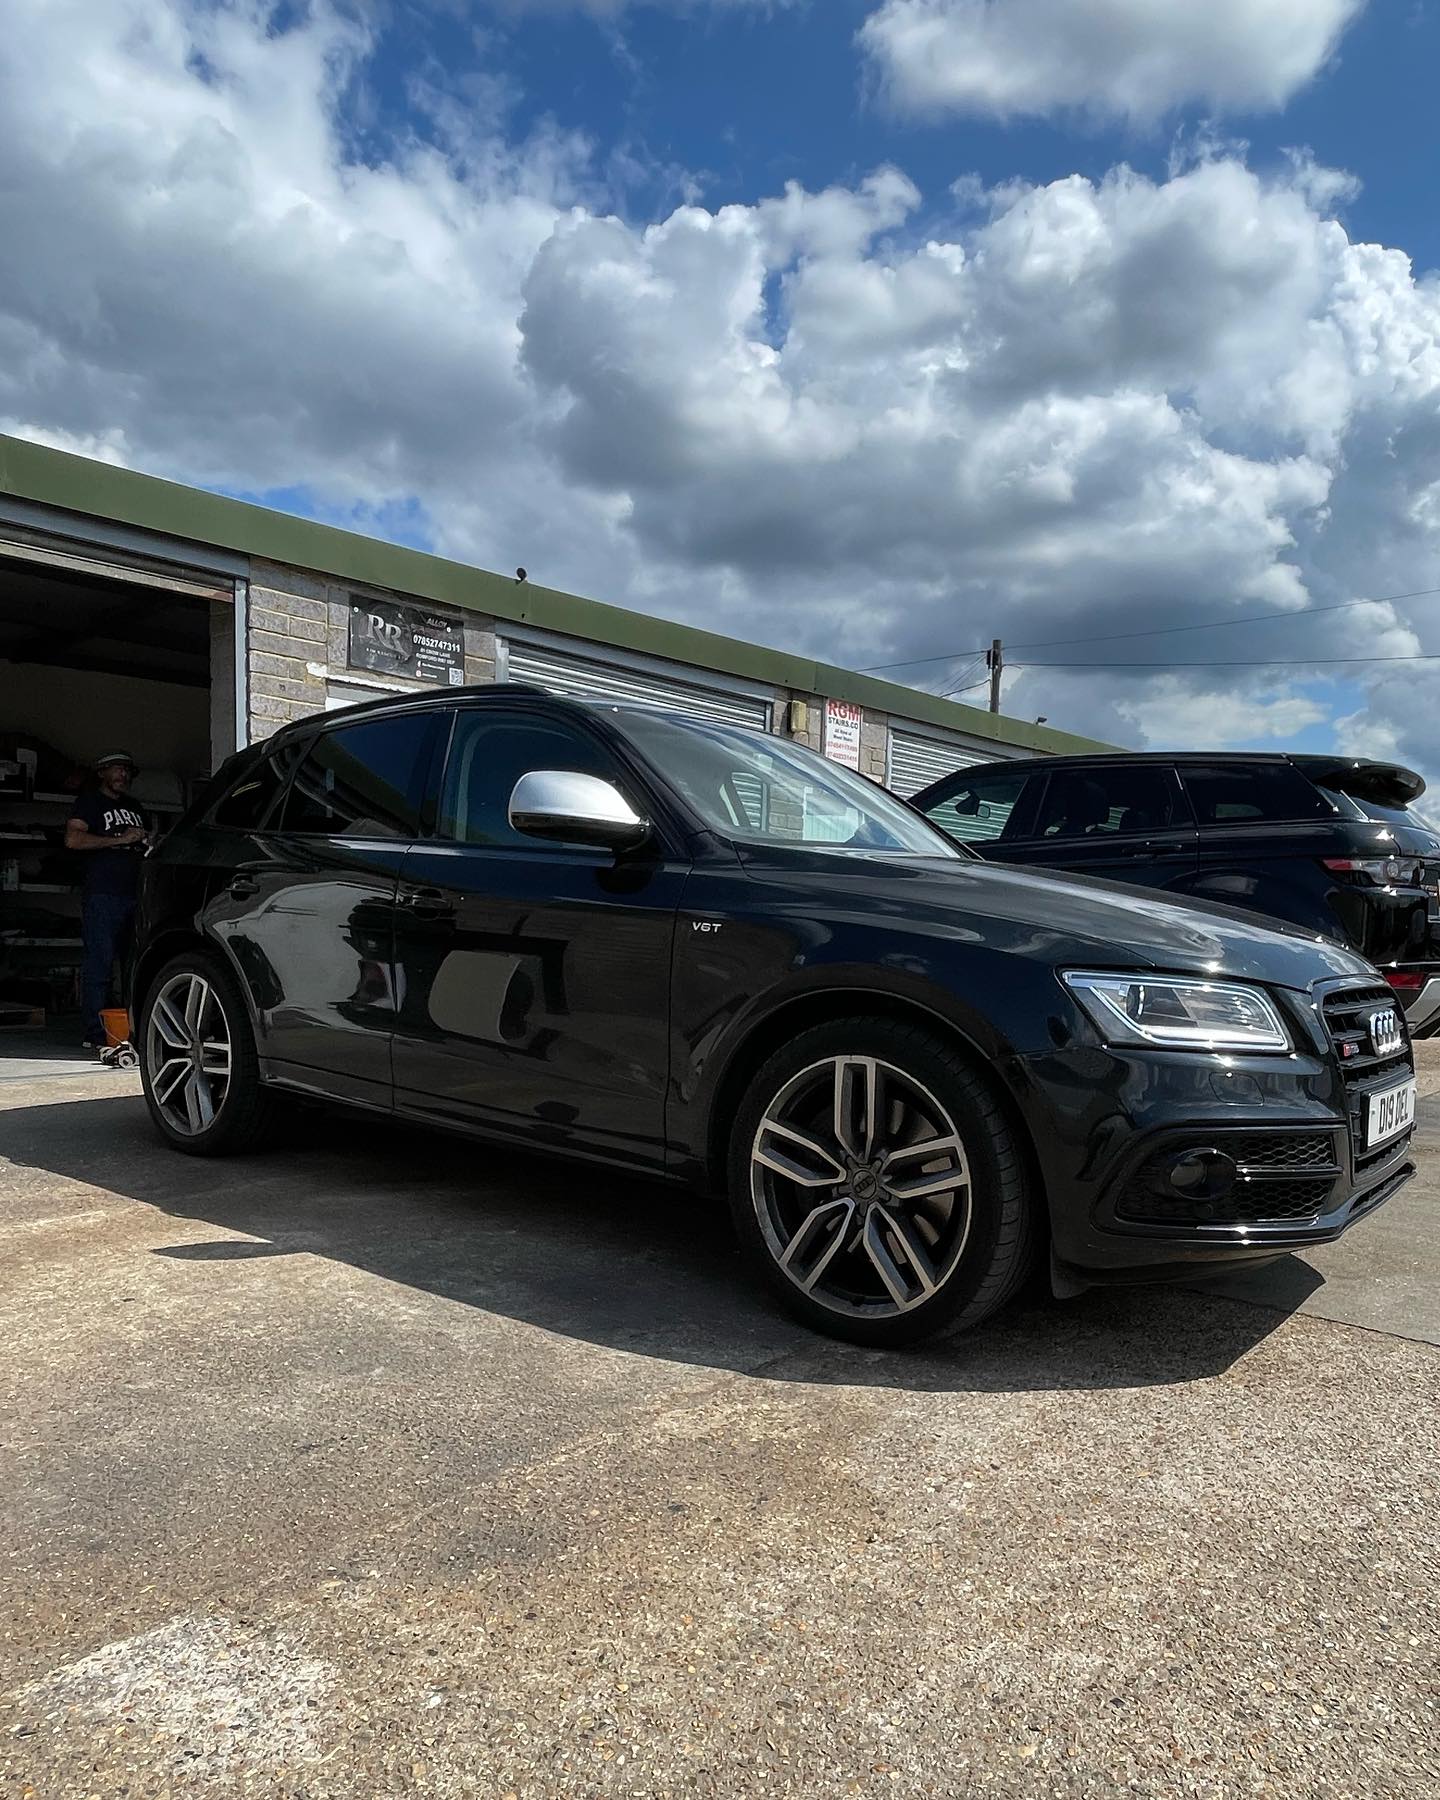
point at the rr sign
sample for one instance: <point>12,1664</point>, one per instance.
<point>390,638</point>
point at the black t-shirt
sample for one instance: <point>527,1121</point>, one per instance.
<point>114,872</point>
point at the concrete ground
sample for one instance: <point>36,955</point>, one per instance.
<point>392,1466</point>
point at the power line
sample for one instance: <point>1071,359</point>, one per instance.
<point>1284,662</point>
<point>914,662</point>
<point>1308,612</point>
<point>965,683</point>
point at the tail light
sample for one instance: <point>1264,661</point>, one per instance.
<point>1405,981</point>
<point>1388,871</point>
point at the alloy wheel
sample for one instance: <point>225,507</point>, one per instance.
<point>188,1053</point>
<point>862,1187</point>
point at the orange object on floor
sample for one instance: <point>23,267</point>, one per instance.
<point>116,1021</point>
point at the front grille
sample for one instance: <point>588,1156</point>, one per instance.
<point>1347,1020</point>
<point>1282,1176</point>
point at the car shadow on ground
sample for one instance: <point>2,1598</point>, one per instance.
<point>627,1264</point>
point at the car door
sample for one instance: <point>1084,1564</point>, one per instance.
<point>1265,831</point>
<point>1121,820</point>
<point>987,809</point>
<point>534,977</point>
<point>307,911</point>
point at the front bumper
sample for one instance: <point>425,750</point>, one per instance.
<point>1130,1251</point>
<point>1293,1127</point>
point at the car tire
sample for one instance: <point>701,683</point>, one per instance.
<point>213,1104</point>
<point>904,1245</point>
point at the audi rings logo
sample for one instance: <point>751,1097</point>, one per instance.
<point>1385,1034</point>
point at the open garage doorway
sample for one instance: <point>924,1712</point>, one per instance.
<point>98,653</point>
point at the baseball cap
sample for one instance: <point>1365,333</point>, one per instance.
<point>112,757</point>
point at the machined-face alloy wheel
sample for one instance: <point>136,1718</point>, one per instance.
<point>188,1053</point>
<point>861,1187</point>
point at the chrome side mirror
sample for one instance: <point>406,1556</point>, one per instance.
<point>567,808</point>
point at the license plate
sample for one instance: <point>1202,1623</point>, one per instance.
<point>1389,1114</point>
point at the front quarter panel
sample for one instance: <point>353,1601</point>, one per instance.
<point>754,941</point>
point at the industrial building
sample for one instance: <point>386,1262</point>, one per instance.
<point>180,625</point>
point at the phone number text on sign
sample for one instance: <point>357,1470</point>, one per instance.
<point>843,720</point>
<point>388,637</point>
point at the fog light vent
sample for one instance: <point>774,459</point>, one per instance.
<point>1277,1178</point>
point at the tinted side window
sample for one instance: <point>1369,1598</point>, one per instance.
<point>981,809</point>
<point>246,804</point>
<point>1231,796</point>
<point>488,755</point>
<point>361,780</point>
<point>1104,802</point>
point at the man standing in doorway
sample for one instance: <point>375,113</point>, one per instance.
<point>111,836</point>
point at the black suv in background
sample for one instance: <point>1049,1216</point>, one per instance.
<point>710,955</point>
<point>1324,842</point>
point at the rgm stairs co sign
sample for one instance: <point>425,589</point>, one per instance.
<point>389,638</point>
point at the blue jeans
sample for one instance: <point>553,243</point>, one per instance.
<point>105,921</point>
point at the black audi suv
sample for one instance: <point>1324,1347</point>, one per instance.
<point>713,956</point>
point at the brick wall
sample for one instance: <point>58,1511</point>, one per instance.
<point>875,745</point>
<point>285,646</point>
<point>298,644</point>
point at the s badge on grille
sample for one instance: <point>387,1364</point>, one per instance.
<point>1385,1034</point>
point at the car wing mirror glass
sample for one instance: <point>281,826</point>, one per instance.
<point>565,807</point>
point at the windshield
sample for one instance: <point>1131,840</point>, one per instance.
<point>757,789</point>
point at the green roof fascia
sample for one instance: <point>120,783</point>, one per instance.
<point>79,484</point>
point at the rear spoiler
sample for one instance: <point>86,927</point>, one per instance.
<point>1387,784</point>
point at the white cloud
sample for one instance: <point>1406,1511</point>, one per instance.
<point>1128,59</point>
<point>1363,734</point>
<point>1171,714</point>
<point>1103,406</point>
<point>102,446</point>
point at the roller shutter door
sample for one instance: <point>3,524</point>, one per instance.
<point>560,673</point>
<point>917,761</point>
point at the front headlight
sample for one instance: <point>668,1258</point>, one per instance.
<point>1167,1012</point>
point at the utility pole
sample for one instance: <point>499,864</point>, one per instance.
<point>995,662</point>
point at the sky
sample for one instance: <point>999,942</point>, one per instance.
<point>869,329</point>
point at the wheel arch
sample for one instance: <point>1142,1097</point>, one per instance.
<point>805,1011</point>
<point>171,942</point>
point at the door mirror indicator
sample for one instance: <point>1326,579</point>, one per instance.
<point>568,808</point>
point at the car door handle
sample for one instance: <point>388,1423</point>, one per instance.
<point>1155,847</point>
<point>243,887</point>
<point>429,902</point>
